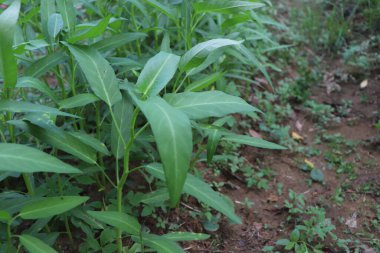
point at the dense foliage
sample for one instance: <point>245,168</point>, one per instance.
<point>95,92</point>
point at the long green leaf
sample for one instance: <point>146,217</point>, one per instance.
<point>35,245</point>
<point>125,222</point>
<point>8,63</point>
<point>186,236</point>
<point>251,141</point>
<point>201,191</point>
<point>51,206</point>
<point>159,243</point>
<point>55,25</point>
<point>117,40</point>
<point>21,106</point>
<point>197,54</point>
<point>64,141</point>
<point>213,139</point>
<point>123,111</point>
<point>91,142</point>
<point>47,8</point>
<point>200,105</point>
<point>98,72</point>
<point>171,13</point>
<point>226,6</point>
<point>31,82</point>
<point>41,66</point>
<point>92,32</point>
<point>31,160</point>
<point>172,132</point>
<point>158,71</point>
<point>79,100</point>
<point>204,82</point>
<point>66,7</point>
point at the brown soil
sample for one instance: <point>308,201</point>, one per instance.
<point>265,222</point>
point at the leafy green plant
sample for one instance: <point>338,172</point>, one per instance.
<point>312,229</point>
<point>88,99</point>
<point>311,234</point>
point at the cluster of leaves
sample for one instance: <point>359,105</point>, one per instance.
<point>88,86</point>
<point>312,229</point>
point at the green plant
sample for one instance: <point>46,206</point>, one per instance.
<point>113,99</point>
<point>312,233</point>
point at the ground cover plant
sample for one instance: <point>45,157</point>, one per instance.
<point>93,93</point>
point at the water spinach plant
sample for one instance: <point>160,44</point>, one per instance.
<point>86,104</point>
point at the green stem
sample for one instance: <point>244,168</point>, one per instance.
<point>123,179</point>
<point>28,183</point>
<point>180,85</point>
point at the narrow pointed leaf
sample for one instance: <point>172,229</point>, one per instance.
<point>251,58</point>
<point>21,106</point>
<point>200,105</point>
<point>55,25</point>
<point>251,141</point>
<point>91,142</point>
<point>156,197</point>
<point>159,243</point>
<point>158,71</point>
<point>47,8</point>
<point>172,132</point>
<point>171,13</point>
<point>125,222</point>
<point>93,32</point>
<point>43,65</point>
<point>31,82</point>
<point>79,100</point>
<point>67,10</point>
<point>201,191</point>
<point>51,206</point>
<point>204,82</point>
<point>186,236</point>
<point>8,63</point>
<point>98,72</point>
<point>31,160</point>
<point>65,142</point>
<point>226,6</point>
<point>117,40</point>
<point>35,245</point>
<point>213,140</point>
<point>123,111</point>
<point>197,54</point>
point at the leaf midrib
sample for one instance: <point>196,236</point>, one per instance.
<point>153,80</point>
